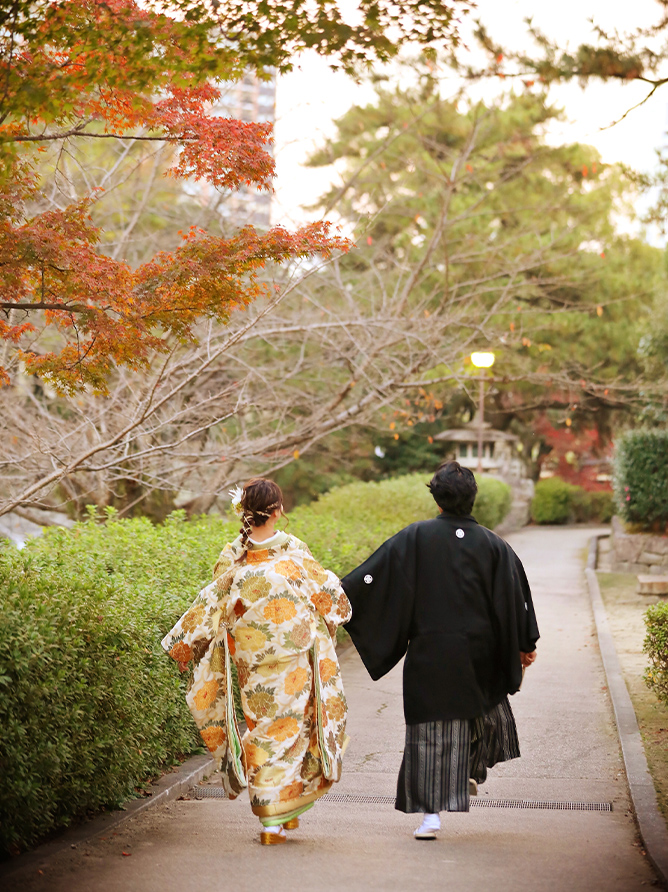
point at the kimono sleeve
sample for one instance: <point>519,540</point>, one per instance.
<point>382,593</point>
<point>324,591</point>
<point>198,626</point>
<point>514,614</point>
<point>526,616</point>
<point>225,560</point>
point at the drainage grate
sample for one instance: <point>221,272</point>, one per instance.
<point>481,802</point>
<point>210,793</point>
<point>538,803</point>
<point>550,805</point>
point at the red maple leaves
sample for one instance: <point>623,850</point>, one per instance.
<point>145,80</point>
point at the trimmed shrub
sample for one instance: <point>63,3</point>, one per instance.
<point>552,501</point>
<point>656,647</point>
<point>641,478</point>
<point>493,501</point>
<point>556,501</point>
<point>597,506</point>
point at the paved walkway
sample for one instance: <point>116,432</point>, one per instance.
<point>570,749</point>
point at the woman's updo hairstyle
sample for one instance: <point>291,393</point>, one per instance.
<point>259,500</point>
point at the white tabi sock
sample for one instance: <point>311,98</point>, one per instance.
<point>430,823</point>
<point>275,828</point>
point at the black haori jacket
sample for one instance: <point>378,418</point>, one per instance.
<point>453,597</point>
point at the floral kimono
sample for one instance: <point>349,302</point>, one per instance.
<point>272,610</point>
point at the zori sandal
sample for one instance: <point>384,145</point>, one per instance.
<point>271,837</point>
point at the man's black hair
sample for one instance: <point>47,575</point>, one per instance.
<point>454,488</point>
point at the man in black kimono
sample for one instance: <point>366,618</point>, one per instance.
<point>453,598</point>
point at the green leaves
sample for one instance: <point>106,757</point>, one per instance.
<point>641,478</point>
<point>656,647</point>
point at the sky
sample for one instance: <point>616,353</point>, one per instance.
<point>310,98</point>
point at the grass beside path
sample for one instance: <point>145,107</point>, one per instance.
<point>625,610</point>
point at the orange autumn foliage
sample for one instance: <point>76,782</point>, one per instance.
<point>63,83</point>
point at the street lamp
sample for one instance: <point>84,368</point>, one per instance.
<point>481,361</point>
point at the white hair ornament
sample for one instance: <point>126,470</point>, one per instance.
<point>235,496</point>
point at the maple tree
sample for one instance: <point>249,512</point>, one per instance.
<point>103,311</point>
<point>106,69</point>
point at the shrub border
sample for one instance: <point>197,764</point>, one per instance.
<point>651,824</point>
<point>171,786</point>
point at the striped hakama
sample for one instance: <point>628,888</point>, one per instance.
<point>440,757</point>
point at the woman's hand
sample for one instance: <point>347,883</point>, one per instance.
<point>527,659</point>
<point>183,666</point>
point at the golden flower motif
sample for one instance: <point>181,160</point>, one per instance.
<point>296,750</point>
<point>181,652</point>
<point>315,571</point>
<point>254,587</point>
<point>279,610</point>
<point>243,671</point>
<point>222,564</point>
<point>311,766</point>
<point>301,634</point>
<point>295,681</point>
<point>255,755</point>
<point>344,608</point>
<point>262,704</point>
<point>193,618</point>
<point>206,694</point>
<point>322,601</point>
<point>268,670</point>
<point>257,557</point>
<point>213,737</point>
<point>251,639</point>
<point>288,569</point>
<point>224,582</point>
<point>328,669</point>
<point>292,791</point>
<point>217,661</point>
<point>283,728</point>
<point>269,776</point>
<point>336,709</point>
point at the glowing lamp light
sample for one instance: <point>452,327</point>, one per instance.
<point>482,360</point>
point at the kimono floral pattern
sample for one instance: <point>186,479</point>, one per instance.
<point>276,609</point>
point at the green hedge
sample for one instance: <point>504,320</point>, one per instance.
<point>555,501</point>
<point>493,502</point>
<point>552,501</point>
<point>656,646</point>
<point>90,706</point>
<point>641,478</point>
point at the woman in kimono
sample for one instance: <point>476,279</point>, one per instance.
<point>272,611</point>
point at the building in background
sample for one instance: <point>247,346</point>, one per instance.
<point>249,99</point>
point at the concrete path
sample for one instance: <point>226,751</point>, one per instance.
<point>570,752</point>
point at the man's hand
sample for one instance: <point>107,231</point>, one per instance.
<point>527,659</point>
